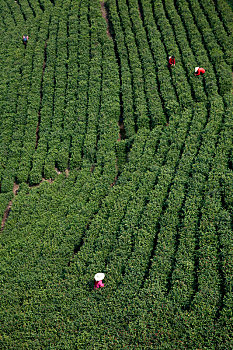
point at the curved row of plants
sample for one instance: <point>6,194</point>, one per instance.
<point>152,208</point>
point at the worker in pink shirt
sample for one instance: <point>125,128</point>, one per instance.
<point>99,280</point>
<point>199,71</point>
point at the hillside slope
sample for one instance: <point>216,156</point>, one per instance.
<point>112,162</point>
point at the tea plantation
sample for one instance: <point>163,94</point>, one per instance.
<point>113,162</point>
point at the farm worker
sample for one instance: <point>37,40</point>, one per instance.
<point>25,39</point>
<point>99,280</point>
<point>199,71</point>
<point>171,62</point>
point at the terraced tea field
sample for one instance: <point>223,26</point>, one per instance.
<point>110,161</point>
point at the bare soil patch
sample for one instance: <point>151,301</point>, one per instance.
<point>8,208</point>
<point>139,11</point>
<point>57,171</point>
<point>122,131</point>
<point>105,16</point>
<point>67,172</point>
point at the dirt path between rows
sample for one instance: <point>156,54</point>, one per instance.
<point>105,16</point>
<point>67,172</point>
<point>139,11</point>
<point>8,209</point>
<point>122,134</point>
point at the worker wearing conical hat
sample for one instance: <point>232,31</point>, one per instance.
<point>99,280</point>
<point>199,71</point>
<point>171,61</point>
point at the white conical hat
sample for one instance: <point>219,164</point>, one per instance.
<point>99,276</point>
<point>196,69</point>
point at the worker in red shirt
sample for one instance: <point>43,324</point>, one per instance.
<point>171,62</point>
<point>199,71</point>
